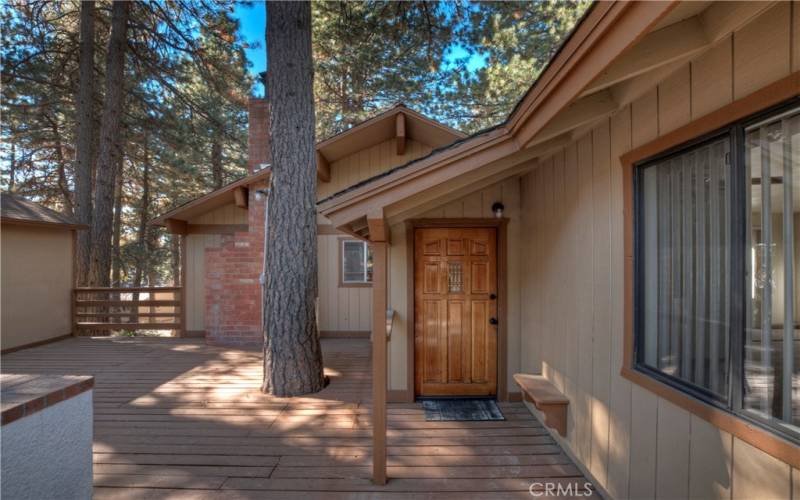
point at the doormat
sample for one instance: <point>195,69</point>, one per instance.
<point>441,410</point>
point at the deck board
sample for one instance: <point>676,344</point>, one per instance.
<point>175,418</point>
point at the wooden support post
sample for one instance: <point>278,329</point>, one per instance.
<point>379,288</point>
<point>401,133</point>
<point>176,226</point>
<point>240,195</point>
<point>323,168</point>
<point>182,263</point>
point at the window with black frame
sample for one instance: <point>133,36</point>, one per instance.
<point>704,213</point>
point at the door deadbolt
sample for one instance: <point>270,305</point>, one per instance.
<point>492,321</point>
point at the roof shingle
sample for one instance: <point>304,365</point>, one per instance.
<point>16,209</point>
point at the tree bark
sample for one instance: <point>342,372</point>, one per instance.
<point>85,122</point>
<point>292,353</point>
<point>63,187</point>
<point>143,246</point>
<point>102,217</point>
<point>116,262</point>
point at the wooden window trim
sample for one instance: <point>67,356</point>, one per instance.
<point>761,438</point>
<point>340,264</point>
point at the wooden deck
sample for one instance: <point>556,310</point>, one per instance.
<point>175,418</point>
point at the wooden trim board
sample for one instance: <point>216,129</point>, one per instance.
<point>764,98</point>
<point>325,229</point>
<point>344,334</point>
<point>216,228</point>
<point>759,100</point>
<point>183,296</point>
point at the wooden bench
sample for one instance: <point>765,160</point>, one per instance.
<point>546,398</point>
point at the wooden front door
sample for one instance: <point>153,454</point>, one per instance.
<point>455,311</point>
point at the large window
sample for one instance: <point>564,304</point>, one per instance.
<point>356,262</point>
<point>718,250</point>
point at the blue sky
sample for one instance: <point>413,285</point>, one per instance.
<point>253,20</point>
<point>252,26</point>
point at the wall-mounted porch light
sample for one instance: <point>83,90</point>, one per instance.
<point>261,194</point>
<point>498,208</point>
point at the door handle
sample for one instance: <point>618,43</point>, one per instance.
<point>492,296</point>
<point>492,321</point>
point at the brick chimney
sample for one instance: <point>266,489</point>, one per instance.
<point>258,150</point>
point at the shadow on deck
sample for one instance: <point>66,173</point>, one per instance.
<point>175,418</point>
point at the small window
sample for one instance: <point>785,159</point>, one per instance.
<point>717,241</point>
<point>356,263</point>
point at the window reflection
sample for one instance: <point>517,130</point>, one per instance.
<point>771,354</point>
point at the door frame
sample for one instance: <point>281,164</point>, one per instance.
<point>500,225</point>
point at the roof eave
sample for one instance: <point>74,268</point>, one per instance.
<point>178,212</point>
<point>609,27</point>
<point>43,224</point>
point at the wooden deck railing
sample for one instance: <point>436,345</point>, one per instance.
<point>135,308</point>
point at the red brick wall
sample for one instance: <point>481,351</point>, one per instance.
<point>233,291</point>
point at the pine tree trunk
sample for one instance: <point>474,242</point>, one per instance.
<point>85,121</point>
<point>292,354</point>
<point>107,161</point>
<point>63,187</point>
<point>116,262</point>
<point>142,250</point>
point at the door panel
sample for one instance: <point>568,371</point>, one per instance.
<point>455,345</point>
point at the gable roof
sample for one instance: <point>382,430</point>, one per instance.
<point>375,130</point>
<point>381,127</point>
<point>15,209</point>
<point>618,49</point>
<point>211,200</point>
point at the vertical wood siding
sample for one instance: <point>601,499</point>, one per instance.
<point>635,444</point>
<point>346,309</point>
<point>369,162</point>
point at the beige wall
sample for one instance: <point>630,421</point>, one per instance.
<point>634,443</point>
<point>367,163</point>
<point>474,205</point>
<point>36,289</point>
<point>196,245</point>
<point>340,309</point>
